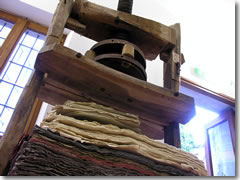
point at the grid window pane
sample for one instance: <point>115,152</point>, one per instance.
<point>39,44</point>
<point>1,108</point>
<point>5,118</point>
<point>5,29</point>
<point>24,76</point>
<point>4,70</point>
<point>5,89</point>
<point>30,39</point>
<point>12,73</point>
<point>16,93</point>
<point>21,55</point>
<point>17,73</point>
<point>31,59</point>
<point>1,41</point>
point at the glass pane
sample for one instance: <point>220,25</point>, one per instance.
<point>21,55</point>
<point>5,90</point>
<point>31,59</point>
<point>23,79</point>
<point>5,118</point>
<point>5,28</point>
<point>16,93</point>
<point>39,44</point>
<point>223,158</point>
<point>12,73</point>
<point>4,70</point>
<point>5,31</point>
<point>17,47</point>
<point>1,41</point>
<point>30,39</point>
<point>1,108</point>
<point>18,68</point>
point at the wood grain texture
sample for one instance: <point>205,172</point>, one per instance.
<point>10,43</point>
<point>205,91</point>
<point>8,17</point>
<point>173,65</point>
<point>60,17</point>
<point>172,82</point>
<point>19,119</point>
<point>56,93</point>
<point>103,85</point>
<point>150,36</point>
<point>172,135</point>
<point>33,116</point>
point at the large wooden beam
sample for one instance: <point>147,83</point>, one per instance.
<point>172,66</point>
<point>172,135</point>
<point>17,124</point>
<point>107,86</point>
<point>60,17</point>
<point>172,82</point>
<point>100,22</point>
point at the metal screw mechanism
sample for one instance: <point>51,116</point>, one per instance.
<point>125,6</point>
<point>119,53</point>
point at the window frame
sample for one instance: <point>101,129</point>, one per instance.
<point>228,116</point>
<point>20,26</point>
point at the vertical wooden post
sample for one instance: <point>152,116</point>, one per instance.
<point>172,66</point>
<point>172,82</point>
<point>60,17</point>
<point>33,116</point>
<point>172,135</point>
<point>17,124</point>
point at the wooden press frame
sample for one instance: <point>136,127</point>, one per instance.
<point>166,40</point>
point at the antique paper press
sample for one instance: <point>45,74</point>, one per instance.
<point>111,73</point>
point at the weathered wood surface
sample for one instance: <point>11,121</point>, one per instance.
<point>172,135</point>
<point>10,43</point>
<point>100,22</point>
<point>172,82</point>
<point>17,124</point>
<point>59,20</point>
<point>106,86</point>
<point>173,65</point>
<point>54,92</point>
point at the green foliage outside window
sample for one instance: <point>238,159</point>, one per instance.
<point>187,141</point>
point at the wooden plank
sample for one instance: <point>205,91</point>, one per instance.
<point>113,88</point>
<point>172,82</point>
<point>59,20</point>
<point>172,135</point>
<point>203,90</point>
<point>33,116</point>
<point>57,93</point>
<point>8,17</point>
<point>37,28</point>
<point>173,65</point>
<point>150,36</point>
<point>10,43</point>
<point>17,124</point>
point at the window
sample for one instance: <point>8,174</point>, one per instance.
<point>16,73</point>
<point>5,28</point>
<point>220,145</point>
